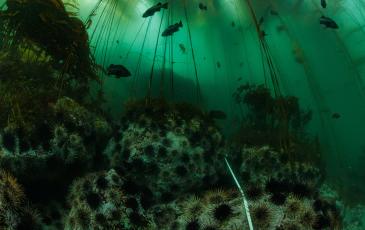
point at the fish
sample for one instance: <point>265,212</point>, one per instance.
<point>323,4</point>
<point>239,79</point>
<point>172,29</point>
<point>182,48</point>
<point>218,64</point>
<point>336,115</point>
<point>274,12</point>
<point>156,8</point>
<point>118,71</point>
<point>233,24</point>
<point>117,41</point>
<point>261,21</point>
<point>298,53</point>
<point>202,6</point>
<point>281,28</point>
<point>328,22</point>
<point>217,114</point>
<point>242,64</point>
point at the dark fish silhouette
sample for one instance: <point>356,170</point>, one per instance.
<point>151,11</point>
<point>261,21</point>
<point>182,48</point>
<point>118,71</point>
<point>233,24</point>
<point>218,64</point>
<point>328,22</point>
<point>217,114</point>
<point>274,12</point>
<point>336,115</point>
<point>172,29</point>
<point>323,3</point>
<point>202,6</point>
<point>281,28</point>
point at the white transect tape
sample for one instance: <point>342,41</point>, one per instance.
<point>245,203</point>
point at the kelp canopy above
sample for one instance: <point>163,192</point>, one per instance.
<point>58,33</point>
<point>45,55</point>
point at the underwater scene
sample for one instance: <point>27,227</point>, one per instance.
<point>182,114</point>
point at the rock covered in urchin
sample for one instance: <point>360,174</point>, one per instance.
<point>224,209</point>
<point>69,133</point>
<point>11,193</point>
<point>293,189</point>
<point>52,214</point>
<point>15,212</point>
<point>65,146</point>
<point>66,153</point>
<point>76,119</point>
<point>169,149</point>
<point>98,202</point>
<point>69,146</point>
<point>218,209</point>
<point>52,169</point>
<point>263,166</point>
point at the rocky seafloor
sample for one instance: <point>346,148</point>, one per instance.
<point>160,167</point>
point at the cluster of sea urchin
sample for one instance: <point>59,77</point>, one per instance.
<point>15,213</point>
<point>216,209</point>
<point>180,151</point>
<point>98,201</point>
